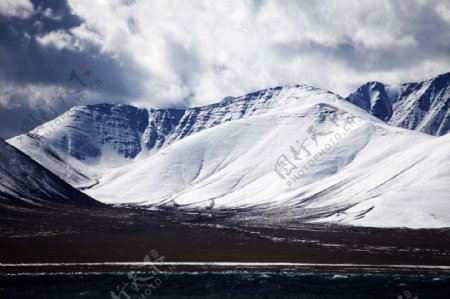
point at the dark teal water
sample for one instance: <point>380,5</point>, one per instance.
<point>223,285</point>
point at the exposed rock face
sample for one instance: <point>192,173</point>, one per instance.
<point>422,106</point>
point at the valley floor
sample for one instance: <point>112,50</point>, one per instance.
<point>106,234</point>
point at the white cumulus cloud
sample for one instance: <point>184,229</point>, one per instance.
<point>188,52</point>
<point>22,9</point>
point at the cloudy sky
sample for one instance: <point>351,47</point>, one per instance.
<point>188,53</point>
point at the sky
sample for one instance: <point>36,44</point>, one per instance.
<point>184,53</point>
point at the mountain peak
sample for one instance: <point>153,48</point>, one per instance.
<point>372,97</point>
<point>421,106</point>
<point>375,84</point>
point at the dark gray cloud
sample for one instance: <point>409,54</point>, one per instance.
<point>26,61</point>
<point>31,72</point>
<point>178,54</point>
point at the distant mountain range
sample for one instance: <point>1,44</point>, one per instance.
<point>422,106</point>
<point>291,152</point>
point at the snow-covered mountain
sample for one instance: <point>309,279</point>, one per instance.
<point>23,182</point>
<point>86,142</point>
<point>300,152</point>
<point>422,106</point>
<point>84,136</point>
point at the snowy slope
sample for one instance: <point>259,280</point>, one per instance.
<point>422,106</point>
<point>24,182</point>
<point>413,190</point>
<point>65,167</point>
